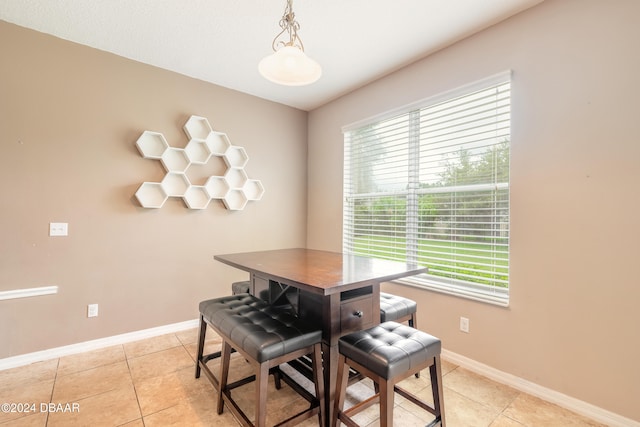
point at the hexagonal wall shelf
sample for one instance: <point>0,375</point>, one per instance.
<point>253,189</point>
<point>234,188</point>
<point>175,160</point>
<point>235,157</point>
<point>218,143</point>
<point>235,200</point>
<point>198,151</point>
<point>235,177</point>
<point>175,184</point>
<point>197,127</point>
<point>151,195</point>
<point>196,197</point>
<point>152,145</point>
<point>217,187</point>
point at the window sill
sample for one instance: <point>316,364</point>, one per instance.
<point>493,297</point>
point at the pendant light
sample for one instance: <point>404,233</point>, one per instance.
<point>289,65</point>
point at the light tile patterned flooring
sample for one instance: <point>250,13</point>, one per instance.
<point>151,383</point>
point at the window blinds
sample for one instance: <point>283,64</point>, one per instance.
<point>430,186</point>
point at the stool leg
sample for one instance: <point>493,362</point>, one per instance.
<point>436,387</point>
<point>201,335</point>
<point>341,389</point>
<point>225,359</point>
<point>413,322</point>
<point>262,381</point>
<point>277,377</point>
<point>386,403</point>
<point>319,380</point>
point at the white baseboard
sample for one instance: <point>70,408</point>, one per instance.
<point>578,406</point>
<point>39,356</point>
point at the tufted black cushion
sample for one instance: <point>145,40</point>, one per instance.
<point>263,331</point>
<point>393,307</point>
<point>390,348</point>
<point>240,287</point>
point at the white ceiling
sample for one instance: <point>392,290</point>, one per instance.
<point>222,41</point>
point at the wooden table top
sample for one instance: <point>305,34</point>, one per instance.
<point>319,271</point>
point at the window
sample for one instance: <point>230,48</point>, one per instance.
<point>429,185</point>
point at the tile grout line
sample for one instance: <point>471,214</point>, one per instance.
<point>500,413</point>
<point>142,415</point>
<point>133,384</point>
<point>53,388</point>
<point>99,366</point>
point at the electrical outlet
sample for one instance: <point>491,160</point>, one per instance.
<point>464,324</point>
<point>92,310</point>
<point>58,229</point>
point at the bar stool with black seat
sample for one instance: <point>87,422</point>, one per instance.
<point>266,337</point>
<point>243,287</point>
<point>398,309</point>
<point>389,353</point>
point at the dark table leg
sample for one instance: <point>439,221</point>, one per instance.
<point>314,306</point>
<point>330,362</point>
<point>331,335</point>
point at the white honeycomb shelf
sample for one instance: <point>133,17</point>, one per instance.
<point>235,157</point>
<point>152,145</point>
<point>218,143</point>
<point>197,127</point>
<point>217,187</point>
<point>151,195</point>
<point>175,184</point>
<point>235,200</point>
<point>236,177</point>
<point>234,188</point>
<point>253,189</point>
<point>198,151</point>
<point>196,197</point>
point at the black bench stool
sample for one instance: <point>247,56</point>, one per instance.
<point>266,337</point>
<point>389,353</point>
<point>398,309</point>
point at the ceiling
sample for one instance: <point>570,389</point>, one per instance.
<point>222,41</point>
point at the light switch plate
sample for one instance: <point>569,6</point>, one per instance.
<point>464,324</point>
<point>58,229</point>
<point>92,310</point>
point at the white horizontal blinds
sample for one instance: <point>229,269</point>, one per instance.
<point>431,186</point>
<point>459,132</point>
<point>376,180</point>
<point>464,145</point>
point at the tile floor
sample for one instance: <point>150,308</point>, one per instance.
<point>151,383</point>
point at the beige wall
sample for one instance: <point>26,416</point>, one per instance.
<point>572,325</point>
<point>69,119</point>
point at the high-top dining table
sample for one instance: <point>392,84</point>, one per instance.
<point>339,291</point>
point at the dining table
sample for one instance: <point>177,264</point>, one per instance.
<point>339,291</point>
